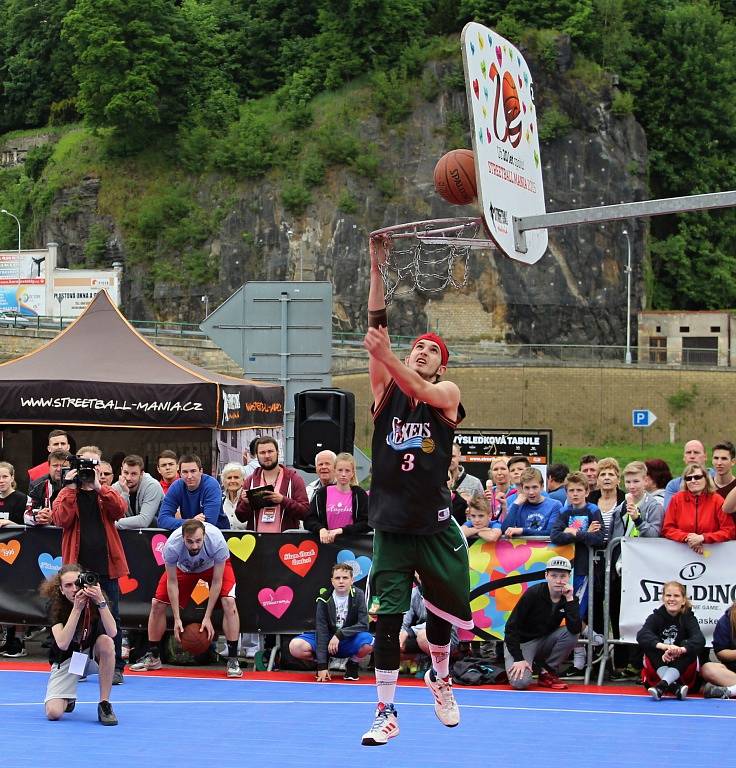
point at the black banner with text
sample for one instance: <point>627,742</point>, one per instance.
<point>279,576</point>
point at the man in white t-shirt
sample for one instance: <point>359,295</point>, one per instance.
<point>197,550</point>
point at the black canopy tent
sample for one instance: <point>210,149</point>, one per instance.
<point>100,372</point>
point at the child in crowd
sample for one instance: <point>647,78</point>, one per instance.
<point>341,625</point>
<point>479,524</point>
<point>639,514</point>
<point>720,676</point>
<point>535,514</point>
<point>579,523</point>
<point>671,640</point>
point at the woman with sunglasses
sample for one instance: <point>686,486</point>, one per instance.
<point>695,515</point>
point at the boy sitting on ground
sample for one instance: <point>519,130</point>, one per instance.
<point>341,624</point>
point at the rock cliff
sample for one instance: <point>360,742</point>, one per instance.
<point>575,294</point>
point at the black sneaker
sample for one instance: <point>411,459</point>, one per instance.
<point>658,690</point>
<point>105,714</point>
<point>352,671</point>
<point>14,649</point>
<point>573,673</point>
<point>117,677</point>
<point>680,691</point>
<point>70,704</point>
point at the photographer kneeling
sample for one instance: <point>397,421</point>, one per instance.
<point>86,512</point>
<point>82,627</point>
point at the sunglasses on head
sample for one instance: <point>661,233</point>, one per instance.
<point>690,478</point>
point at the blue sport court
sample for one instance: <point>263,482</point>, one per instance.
<point>285,720</point>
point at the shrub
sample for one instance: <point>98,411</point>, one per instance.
<point>622,104</point>
<point>313,171</point>
<point>295,198</point>
<point>347,203</point>
<point>553,124</point>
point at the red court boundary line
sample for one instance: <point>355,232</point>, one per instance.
<point>308,677</point>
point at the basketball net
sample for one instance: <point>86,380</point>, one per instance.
<point>426,256</point>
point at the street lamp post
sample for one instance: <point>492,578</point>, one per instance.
<point>17,221</point>
<point>206,301</point>
<point>628,297</point>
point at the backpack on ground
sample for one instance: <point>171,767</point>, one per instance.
<point>473,670</point>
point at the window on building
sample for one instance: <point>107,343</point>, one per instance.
<point>684,329</point>
<point>715,329</point>
<point>657,349</point>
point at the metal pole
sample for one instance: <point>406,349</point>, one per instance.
<point>628,297</point>
<point>17,221</point>
<point>620,211</point>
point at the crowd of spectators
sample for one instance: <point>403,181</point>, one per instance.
<point>595,503</point>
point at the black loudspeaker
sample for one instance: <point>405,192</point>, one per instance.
<point>324,419</point>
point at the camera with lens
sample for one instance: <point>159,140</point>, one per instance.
<point>85,470</point>
<point>87,579</point>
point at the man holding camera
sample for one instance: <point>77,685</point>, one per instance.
<point>86,512</point>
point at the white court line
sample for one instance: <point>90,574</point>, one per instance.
<point>557,710</point>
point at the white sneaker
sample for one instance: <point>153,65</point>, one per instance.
<point>445,706</point>
<point>149,661</point>
<point>385,726</point>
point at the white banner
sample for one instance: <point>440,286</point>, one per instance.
<point>648,563</point>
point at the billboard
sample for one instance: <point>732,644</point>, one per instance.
<point>479,447</point>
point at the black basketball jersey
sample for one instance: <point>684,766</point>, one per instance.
<point>412,446</point>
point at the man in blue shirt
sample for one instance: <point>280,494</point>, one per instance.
<point>197,497</point>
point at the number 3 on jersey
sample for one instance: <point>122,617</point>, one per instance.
<point>408,464</point>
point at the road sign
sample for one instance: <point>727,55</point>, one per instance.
<point>642,418</point>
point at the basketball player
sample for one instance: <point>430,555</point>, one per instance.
<point>414,416</point>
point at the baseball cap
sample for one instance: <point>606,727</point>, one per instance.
<point>558,564</point>
<point>444,353</point>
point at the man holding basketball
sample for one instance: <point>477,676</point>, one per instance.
<point>197,550</point>
<point>415,415</point>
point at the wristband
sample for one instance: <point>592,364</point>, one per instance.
<point>377,318</point>
<point>103,604</point>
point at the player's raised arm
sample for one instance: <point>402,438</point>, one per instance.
<point>377,319</point>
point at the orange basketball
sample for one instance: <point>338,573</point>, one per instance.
<point>511,106</point>
<point>454,177</point>
<point>193,641</point>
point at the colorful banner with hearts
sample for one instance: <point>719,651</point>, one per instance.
<point>157,547</point>
<point>127,585</point>
<point>299,558</point>
<point>276,601</point>
<point>514,565</point>
<point>360,563</point>
<point>242,547</point>
<point>49,565</point>
<point>9,550</point>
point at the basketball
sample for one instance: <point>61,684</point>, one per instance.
<point>193,641</point>
<point>454,177</point>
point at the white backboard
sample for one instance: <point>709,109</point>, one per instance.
<point>504,127</point>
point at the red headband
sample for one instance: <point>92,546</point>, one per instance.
<point>444,354</point>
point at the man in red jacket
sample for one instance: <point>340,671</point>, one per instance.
<point>86,512</point>
<point>278,510</point>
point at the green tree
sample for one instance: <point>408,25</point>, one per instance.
<point>34,61</point>
<point>132,66</point>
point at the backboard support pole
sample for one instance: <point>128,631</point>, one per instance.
<point>644,208</point>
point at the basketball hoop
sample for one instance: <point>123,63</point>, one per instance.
<point>428,256</point>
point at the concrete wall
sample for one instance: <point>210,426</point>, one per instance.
<point>583,406</point>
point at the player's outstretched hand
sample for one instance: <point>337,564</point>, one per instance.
<point>379,246</point>
<point>322,676</point>
<point>378,343</point>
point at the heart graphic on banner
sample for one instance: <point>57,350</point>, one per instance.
<point>157,547</point>
<point>9,550</point>
<point>127,584</point>
<point>49,564</point>
<point>299,559</point>
<point>277,601</point>
<point>242,547</point>
<point>361,565</point>
<point>510,557</point>
<point>201,592</point>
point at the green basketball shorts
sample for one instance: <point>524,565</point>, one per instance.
<point>440,560</point>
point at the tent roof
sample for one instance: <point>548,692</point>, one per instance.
<point>101,345</point>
